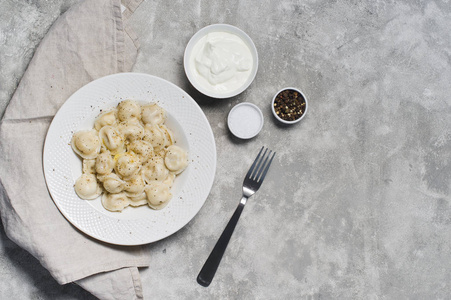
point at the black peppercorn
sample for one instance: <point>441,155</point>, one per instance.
<point>289,105</point>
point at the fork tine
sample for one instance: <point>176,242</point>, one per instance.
<point>251,169</point>
<point>259,164</point>
<point>259,171</point>
<point>267,166</point>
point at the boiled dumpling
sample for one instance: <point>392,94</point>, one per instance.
<point>143,149</point>
<point>134,186</point>
<point>176,159</point>
<point>112,139</point>
<point>106,118</point>
<point>127,164</point>
<point>129,156</point>
<point>153,114</point>
<point>128,110</point>
<point>170,179</point>
<point>104,163</point>
<point>138,200</point>
<point>131,130</point>
<point>87,187</point>
<point>89,166</point>
<point>158,194</point>
<point>154,170</point>
<point>168,135</point>
<point>112,183</point>
<point>86,143</point>
<point>156,136</point>
<point>115,202</point>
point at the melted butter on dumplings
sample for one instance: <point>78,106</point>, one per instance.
<point>130,157</point>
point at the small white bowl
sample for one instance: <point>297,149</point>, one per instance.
<point>245,120</point>
<point>190,73</point>
<point>285,121</point>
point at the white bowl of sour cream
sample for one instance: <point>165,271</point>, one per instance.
<point>220,61</point>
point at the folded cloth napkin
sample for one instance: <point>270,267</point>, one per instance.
<point>89,41</point>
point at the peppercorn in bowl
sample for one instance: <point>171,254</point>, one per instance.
<point>289,105</point>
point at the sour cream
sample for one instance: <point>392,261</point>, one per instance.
<point>221,62</point>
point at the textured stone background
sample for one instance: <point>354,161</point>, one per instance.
<point>357,203</point>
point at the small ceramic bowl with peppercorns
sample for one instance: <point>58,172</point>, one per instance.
<point>289,105</point>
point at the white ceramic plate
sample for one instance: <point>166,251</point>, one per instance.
<point>134,225</point>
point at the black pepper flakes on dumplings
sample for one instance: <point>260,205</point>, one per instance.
<point>129,157</point>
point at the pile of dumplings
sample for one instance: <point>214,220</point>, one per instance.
<point>129,157</point>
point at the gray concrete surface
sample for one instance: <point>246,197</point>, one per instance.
<point>357,203</point>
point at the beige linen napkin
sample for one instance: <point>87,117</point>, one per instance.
<point>89,41</point>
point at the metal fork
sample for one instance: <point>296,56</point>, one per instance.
<point>251,184</point>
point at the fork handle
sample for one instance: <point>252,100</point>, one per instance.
<point>211,265</point>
